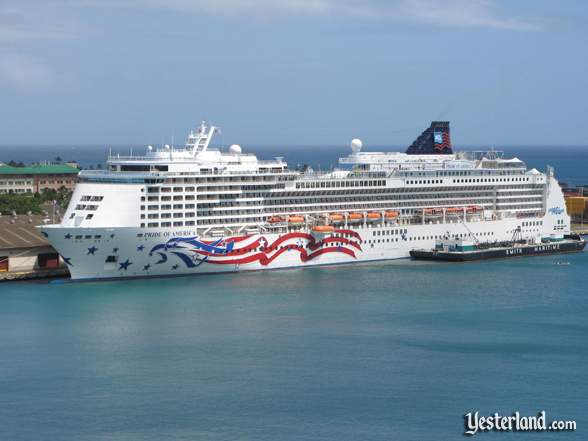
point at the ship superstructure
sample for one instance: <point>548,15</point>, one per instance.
<point>197,209</point>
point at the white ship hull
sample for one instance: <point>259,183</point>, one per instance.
<point>98,253</point>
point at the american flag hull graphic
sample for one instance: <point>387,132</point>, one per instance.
<point>243,250</point>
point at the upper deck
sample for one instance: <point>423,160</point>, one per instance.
<point>196,159</point>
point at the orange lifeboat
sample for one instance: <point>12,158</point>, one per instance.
<point>454,210</point>
<point>355,217</point>
<point>323,229</point>
<point>433,211</point>
<point>391,214</point>
<point>373,216</point>
<point>296,220</point>
<point>275,219</point>
<point>336,218</point>
<point>474,208</point>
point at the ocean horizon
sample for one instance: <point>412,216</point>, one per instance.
<point>570,163</point>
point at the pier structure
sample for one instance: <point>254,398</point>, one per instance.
<point>25,252</point>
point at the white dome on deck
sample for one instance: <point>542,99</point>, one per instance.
<point>356,145</point>
<point>235,149</point>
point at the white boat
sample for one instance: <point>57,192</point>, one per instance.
<point>195,209</point>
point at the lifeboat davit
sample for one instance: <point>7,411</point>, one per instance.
<point>355,217</point>
<point>373,216</point>
<point>391,214</point>
<point>296,220</point>
<point>336,218</point>
<point>275,219</point>
<point>323,229</point>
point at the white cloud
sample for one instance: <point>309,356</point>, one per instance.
<point>18,24</point>
<point>440,13</point>
<point>24,72</point>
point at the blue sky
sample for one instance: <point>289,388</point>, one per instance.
<point>293,72</point>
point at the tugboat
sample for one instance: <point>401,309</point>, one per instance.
<point>466,250</point>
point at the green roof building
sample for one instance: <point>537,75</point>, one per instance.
<point>35,178</point>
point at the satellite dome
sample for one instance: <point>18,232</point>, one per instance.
<point>356,145</point>
<point>167,146</point>
<point>235,149</point>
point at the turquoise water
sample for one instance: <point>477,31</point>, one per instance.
<point>392,351</point>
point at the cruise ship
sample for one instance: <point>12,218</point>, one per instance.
<point>198,210</point>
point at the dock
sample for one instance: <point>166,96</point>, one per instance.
<point>25,252</point>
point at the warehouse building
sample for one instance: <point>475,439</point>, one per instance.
<point>24,252</point>
<point>577,207</point>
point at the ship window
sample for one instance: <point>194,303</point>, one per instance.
<point>78,237</point>
<point>189,223</point>
<point>111,259</point>
<point>71,216</point>
<point>134,168</point>
<point>90,216</point>
<point>166,224</point>
<point>153,224</point>
<point>178,224</point>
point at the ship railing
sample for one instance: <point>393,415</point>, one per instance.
<point>167,174</point>
<point>166,155</point>
<point>333,175</point>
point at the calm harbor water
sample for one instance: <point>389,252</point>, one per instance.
<point>390,351</point>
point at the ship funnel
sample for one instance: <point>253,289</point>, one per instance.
<point>435,140</point>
